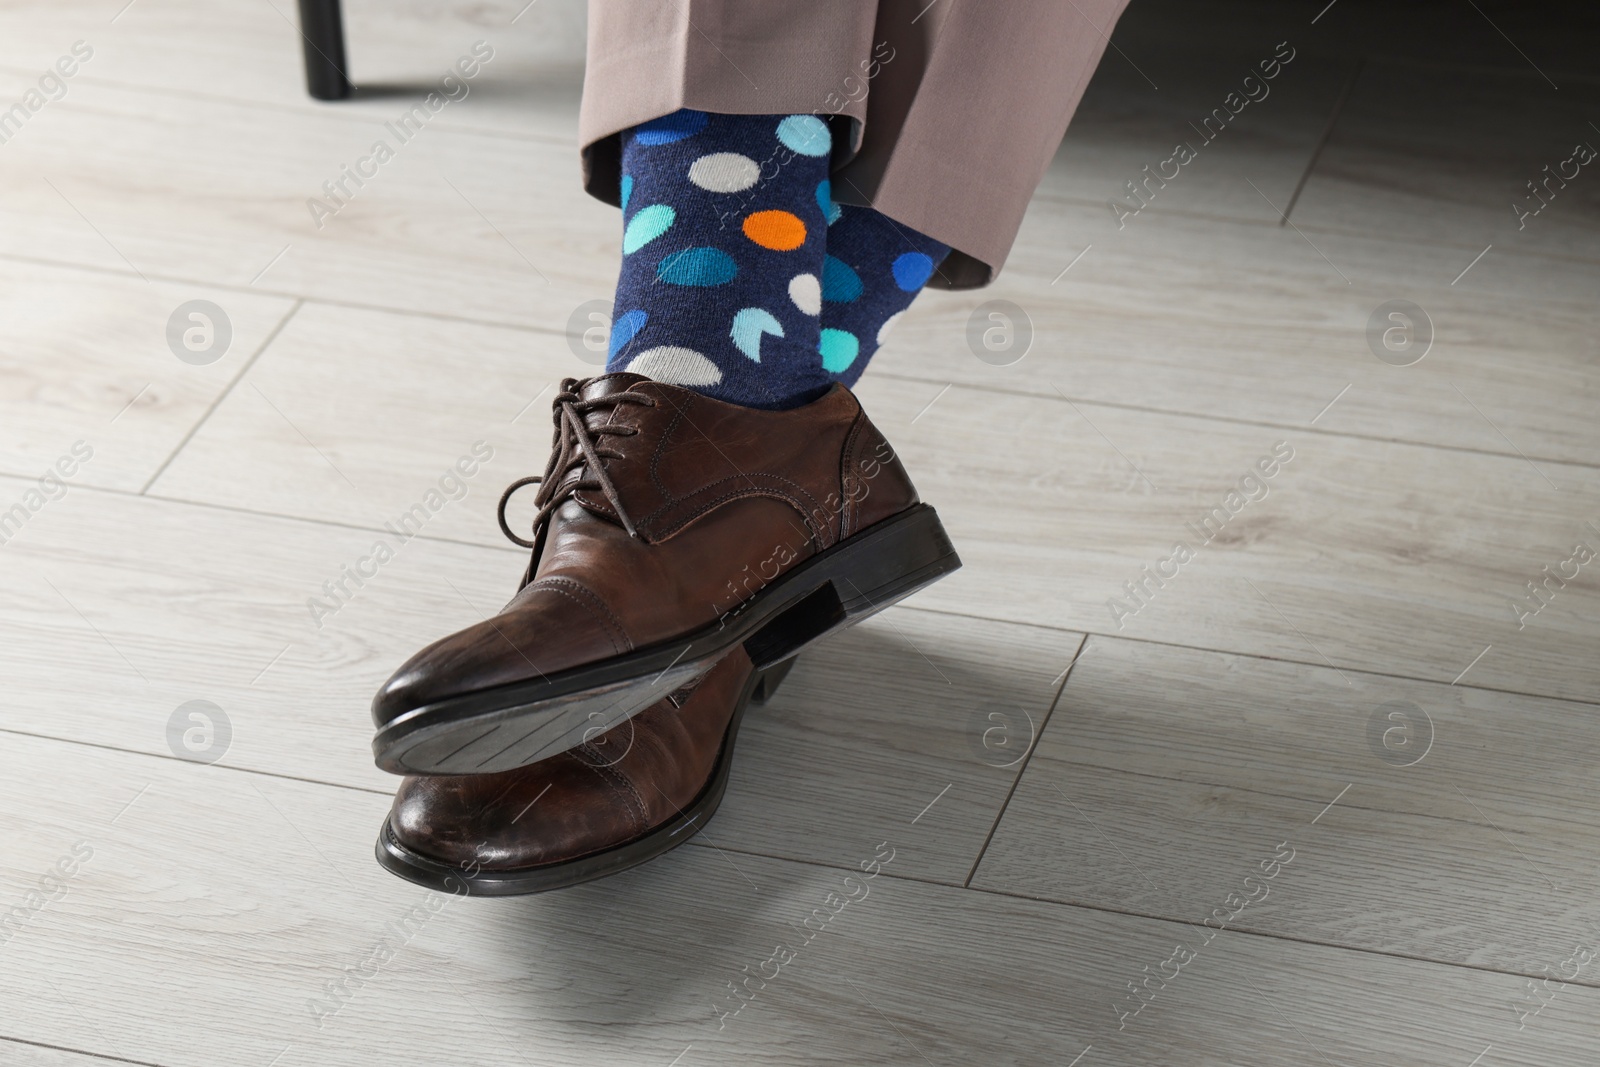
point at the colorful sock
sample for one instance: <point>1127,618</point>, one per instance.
<point>722,256</point>
<point>741,278</point>
<point>874,268</point>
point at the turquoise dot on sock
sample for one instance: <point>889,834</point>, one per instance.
<point>627,190</point>
<point>625,329</point>
<point>840,283</point>
<point>830,210</point>
<point>749,326</point>
<point>839,349</point>
<point>912,271</point>
<point>670,128</point>
<point>697,266</point>
<point>645,226</point>
<point>805,134</point>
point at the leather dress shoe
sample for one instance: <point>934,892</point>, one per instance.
<point>617,800</point>
<point>671,529</point>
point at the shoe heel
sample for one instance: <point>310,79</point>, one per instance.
<point>893,560</point>
<point>878,567</point>
<point>780,640</point>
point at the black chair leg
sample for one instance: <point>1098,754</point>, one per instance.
<point>322,31</point>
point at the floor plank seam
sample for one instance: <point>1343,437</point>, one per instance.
<point>104,747</point>
<point>1320,664</point>
<point>1313,801</point>
<point>1235,420</point>
<point>244,369</point>
<point>1287,938</point>
<point>284,294</point>
<point>104,1056</point>
<point>337,112</point>
<point>1491,69</point>
<point>1322,141</point>
<point>1052,196</point>
<point>1027,758</point>
<point>234,509</point>
<point>1150,916</point>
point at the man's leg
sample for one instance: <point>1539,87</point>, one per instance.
<point>741,278</point>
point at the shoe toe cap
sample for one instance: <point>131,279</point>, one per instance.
<point>544,633</point>
<point>549,812</point>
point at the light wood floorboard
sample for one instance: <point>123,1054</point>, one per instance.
<point>22,1054</point>
<point>1250,322</point>
<point>1123,125</point>
<point>1457,159</point>
<point>363,437</point>
<point>249,897</point>
<point>439,228</point>
<point>250,53</point>
<point>1463,831</point>
<point>920,720</point>
<point>86,359</point>
<point>1386,557</point>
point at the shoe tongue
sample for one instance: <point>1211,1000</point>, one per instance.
<point>606,384</point>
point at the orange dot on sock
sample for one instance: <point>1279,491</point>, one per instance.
<point>780,231</point>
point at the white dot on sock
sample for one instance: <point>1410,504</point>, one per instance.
<point>724,172</point>
<point>676,366</point>
<point>888,324</point>
<point>806,292</point>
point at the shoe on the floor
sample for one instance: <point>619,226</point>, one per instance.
<point>671,529</point>
<point>619,799</point>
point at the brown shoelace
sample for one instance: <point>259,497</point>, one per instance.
<point>573,447</point>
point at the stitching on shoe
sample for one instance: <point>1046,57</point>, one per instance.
<point>568,588</point>
<point>661,450</point>
<point>803,502</point>
<point>823,535</point>
<point>608,772</point>
<point>739,494</point>
<point>848,463</point>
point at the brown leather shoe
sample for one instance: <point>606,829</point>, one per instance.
<point>671,529</point>
<point>619,799</point>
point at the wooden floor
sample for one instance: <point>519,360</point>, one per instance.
<point>1325,796</point>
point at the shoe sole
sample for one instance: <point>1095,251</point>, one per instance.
<point>510,726</point>
<point>461,881</point>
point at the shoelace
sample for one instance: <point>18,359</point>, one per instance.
<point>574,446</point>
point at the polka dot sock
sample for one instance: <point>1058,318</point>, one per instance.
<point>733,281</point>
<point>873,269</point>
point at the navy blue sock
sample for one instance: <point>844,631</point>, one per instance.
<point>722,255</point>
<point>733,282</point>
<point>874,268</point>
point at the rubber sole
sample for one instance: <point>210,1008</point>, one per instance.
<point>511,726</point>
<point>463,881</point>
